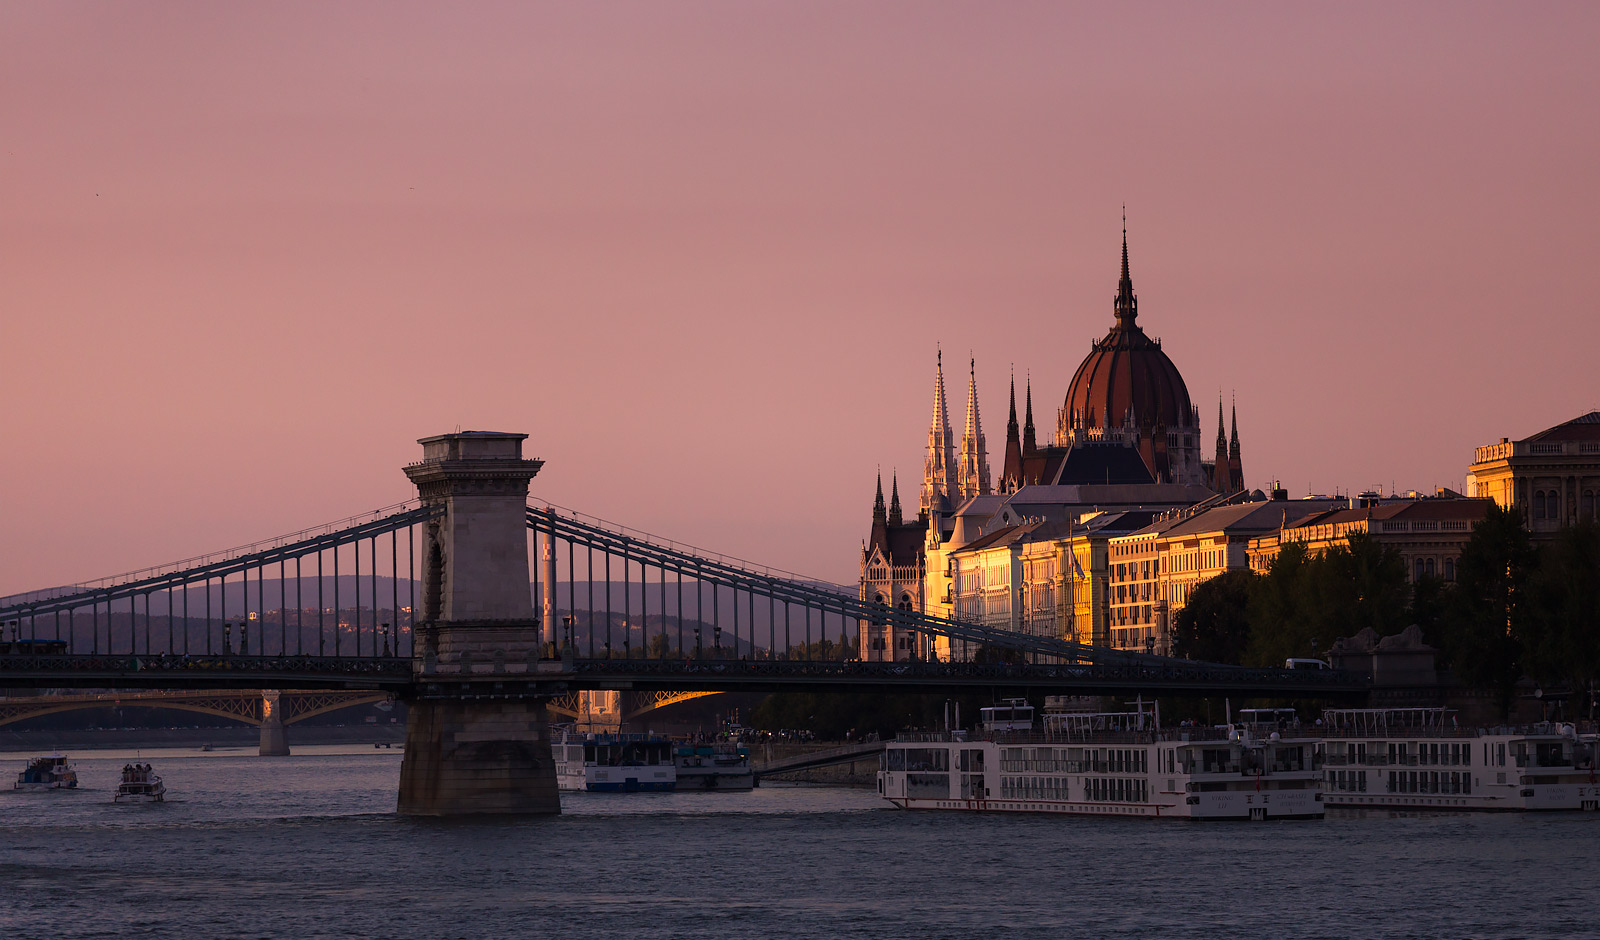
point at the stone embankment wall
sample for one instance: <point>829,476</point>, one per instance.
<point>44,741</point>
<point>861,773</point>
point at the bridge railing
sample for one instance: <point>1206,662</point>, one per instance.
<point>663,571</point>
<point>795,618</point>
<point>343,589</point>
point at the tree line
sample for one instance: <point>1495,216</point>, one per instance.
<point>1515,608</point>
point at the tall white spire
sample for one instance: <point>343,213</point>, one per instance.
<point>939,492</point>
<point>973,475</point>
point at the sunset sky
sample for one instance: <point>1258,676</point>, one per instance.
<point>703,253</point>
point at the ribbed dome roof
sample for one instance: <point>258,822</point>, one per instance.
<point>1128,369</point>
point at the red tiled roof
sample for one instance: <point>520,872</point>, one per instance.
<point>1582,428</point>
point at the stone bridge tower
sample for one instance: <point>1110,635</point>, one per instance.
<point>468,749</point>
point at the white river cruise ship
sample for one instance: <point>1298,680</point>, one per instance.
<point>1417,758</point>
<point>1108,764</point>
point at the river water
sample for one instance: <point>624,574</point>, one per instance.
<point>308,847</point>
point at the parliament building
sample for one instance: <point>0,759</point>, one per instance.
<point>1127,436</point>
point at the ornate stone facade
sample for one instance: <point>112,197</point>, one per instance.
<point>1553,477</point>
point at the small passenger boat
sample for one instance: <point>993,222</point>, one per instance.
<point>52,772</point>
<point>614,763</point>
<point>140,785</point>
<point>713,767</point>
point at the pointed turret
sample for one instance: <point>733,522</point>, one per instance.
<point>880,523</point>
<point>894,500</point>
<point>1030,444</point>
<point>1235,462</point>
<point>1011,470</point>
<point>1221,479</point>
<point>973,472</point>
<point>939,472</point>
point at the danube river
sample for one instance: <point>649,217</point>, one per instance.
<point>308,847</point>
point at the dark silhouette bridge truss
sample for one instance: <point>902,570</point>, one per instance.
<point>246,706</point>
<point>331,608</point>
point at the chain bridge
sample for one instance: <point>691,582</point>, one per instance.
<point>430,601</point>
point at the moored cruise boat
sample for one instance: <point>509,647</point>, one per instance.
<point>1108,764</point>
<point>52,772</point>
<point>614,763</point>
<point>1418,758</point>
<point>713,767</point>
<point>140,784</point>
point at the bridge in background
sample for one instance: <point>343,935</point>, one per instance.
<point>246,707</point>
<point>429,600</point>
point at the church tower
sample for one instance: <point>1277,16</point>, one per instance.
<point>973,473</point>
<point>939,491</point>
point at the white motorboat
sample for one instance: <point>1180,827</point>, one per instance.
<point>140,785</point>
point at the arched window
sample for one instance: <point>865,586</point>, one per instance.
<point>1449,569</point>
<point>1421,570</point>
<point>1538,504</point>
<point>1588,505</point>
<point>905,602</point>
<point>1430,567</point>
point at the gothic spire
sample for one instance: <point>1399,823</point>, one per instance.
<point>1127,305</point>
<point>973,475</point>
<point>1011,424</point>
<point>1222,438</point>
<point>939,472</point>
<point>1011,469</point>
<point>895,517</point>
<point>880,525</point>
<point>1029,444</point>
<point>1233,434</point>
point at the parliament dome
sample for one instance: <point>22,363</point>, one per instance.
<point>1127,370</point>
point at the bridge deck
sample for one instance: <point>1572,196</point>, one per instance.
<point>1142,675</point>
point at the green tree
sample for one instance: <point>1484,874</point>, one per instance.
<point>1303,603</point>
<point>1365,584</point>
<point>1489,617</point>
<point>1280,609</point>
<point>1561,636</point>
<point>1215,625</point>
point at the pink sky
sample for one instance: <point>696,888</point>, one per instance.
<point>702,253</point>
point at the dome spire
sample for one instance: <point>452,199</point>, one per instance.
<point>1127,306</point>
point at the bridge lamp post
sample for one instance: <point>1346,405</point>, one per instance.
<point>569,631</point>
<point>699,651</point>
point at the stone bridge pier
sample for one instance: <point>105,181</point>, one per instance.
<point>274,743</point>
<point>467,754</point>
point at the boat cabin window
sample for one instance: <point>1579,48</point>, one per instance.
<point>1011,717</point>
